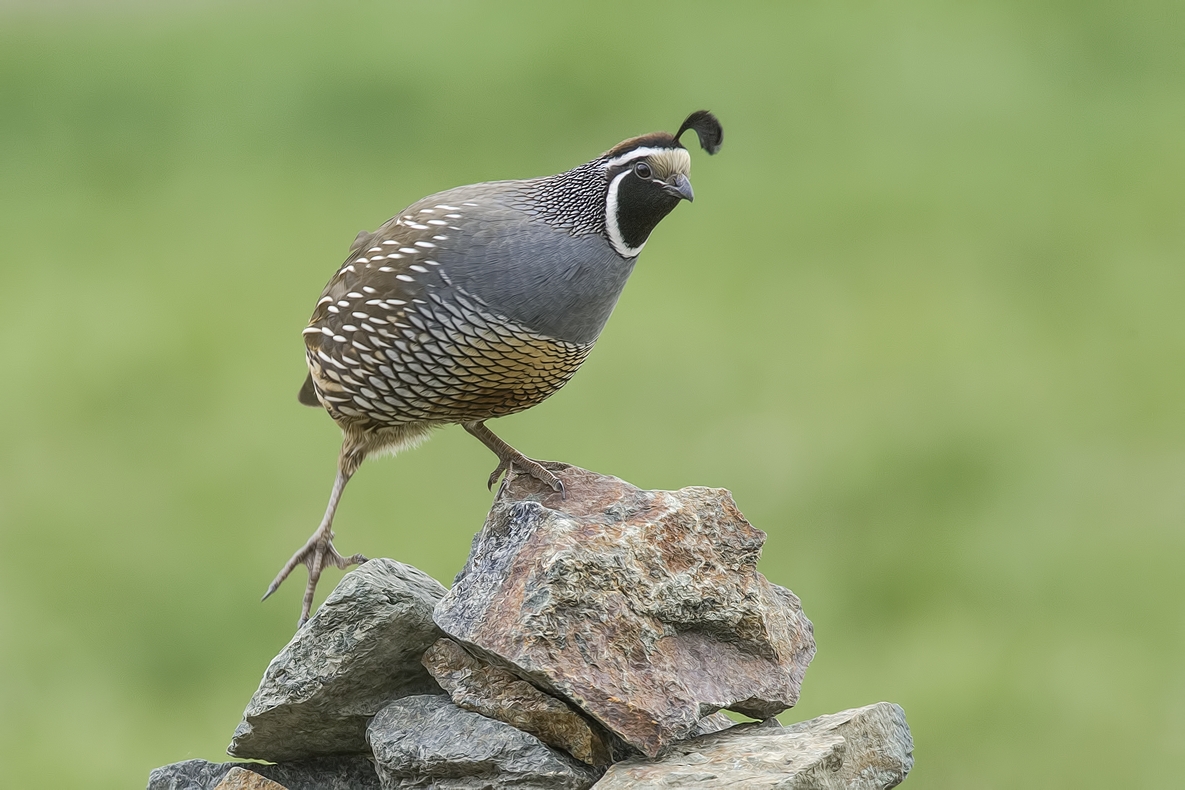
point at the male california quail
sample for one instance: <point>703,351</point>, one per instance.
<point>478,302</point>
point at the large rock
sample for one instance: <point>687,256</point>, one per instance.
<point>491,691</point>
<point>349,772</point>
<point>643,608</point>
<point>359,651</point>
<point>867,748</point>
<point>427,741</point>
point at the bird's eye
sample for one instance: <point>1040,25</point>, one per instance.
<point>642,170</point>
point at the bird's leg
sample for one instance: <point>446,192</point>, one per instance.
<point>509,457</point>
<point>318,552</point>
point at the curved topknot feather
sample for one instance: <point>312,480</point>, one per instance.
<point>706,127</point>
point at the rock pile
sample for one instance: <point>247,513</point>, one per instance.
<point>589,640</point>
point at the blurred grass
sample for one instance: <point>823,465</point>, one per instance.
<point>924,319</point>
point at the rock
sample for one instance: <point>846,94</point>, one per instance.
<point>643,608</point>
<point>427,741</point>
<point>863,749</point>
<point>710,724</point>
<point>350,772</point>
<point>358,652</point>
<point>475,685</point>
<point>242,779</point>
<point>188,775</point>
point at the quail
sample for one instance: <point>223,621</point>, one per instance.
<point>479,302</point>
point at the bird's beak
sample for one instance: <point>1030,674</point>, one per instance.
<point>680,187</point>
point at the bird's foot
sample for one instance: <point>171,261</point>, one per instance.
<point>531,467</point>
<point>508,458</point>
<point>317,554</point>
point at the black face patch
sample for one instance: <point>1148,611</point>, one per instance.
<point>641,205</point>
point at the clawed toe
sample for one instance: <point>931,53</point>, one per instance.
<point>531,467</point>
<point>545,476</point>
<point>503,466</point>
<point>317,554</point>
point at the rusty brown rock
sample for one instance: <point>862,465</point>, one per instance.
<point>491,691</point>
<point>643,608</point>
<point>242,779</point>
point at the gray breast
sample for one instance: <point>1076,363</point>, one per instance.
<point>557,284</point>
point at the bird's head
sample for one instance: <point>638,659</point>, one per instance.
<point>647,176</point>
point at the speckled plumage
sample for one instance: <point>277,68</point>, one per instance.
<point>479,302</point>
<point>434,319</point>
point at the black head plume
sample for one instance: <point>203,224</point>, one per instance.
<point>706,127</point>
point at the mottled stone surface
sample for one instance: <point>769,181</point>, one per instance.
<point>475,685</point>
<point>350,772</point>
<point>358,652</point>
<point>643,608</point>
<point>709,724</point>
<point>242,779</point>
<point>863,749</point>
<point>427,741</point>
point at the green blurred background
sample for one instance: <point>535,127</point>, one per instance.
<point>924,319</point>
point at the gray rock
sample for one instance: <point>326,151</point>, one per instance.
<point>491,691</point>
<point>710,724</point>
<point>427,741</point>
<point>359,651</point>
<point>863,749</point>
<point>350,772</point>
<point>643,608</point>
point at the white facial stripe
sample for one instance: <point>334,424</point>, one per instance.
<point>638,153</point>
<point>611,226</point>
